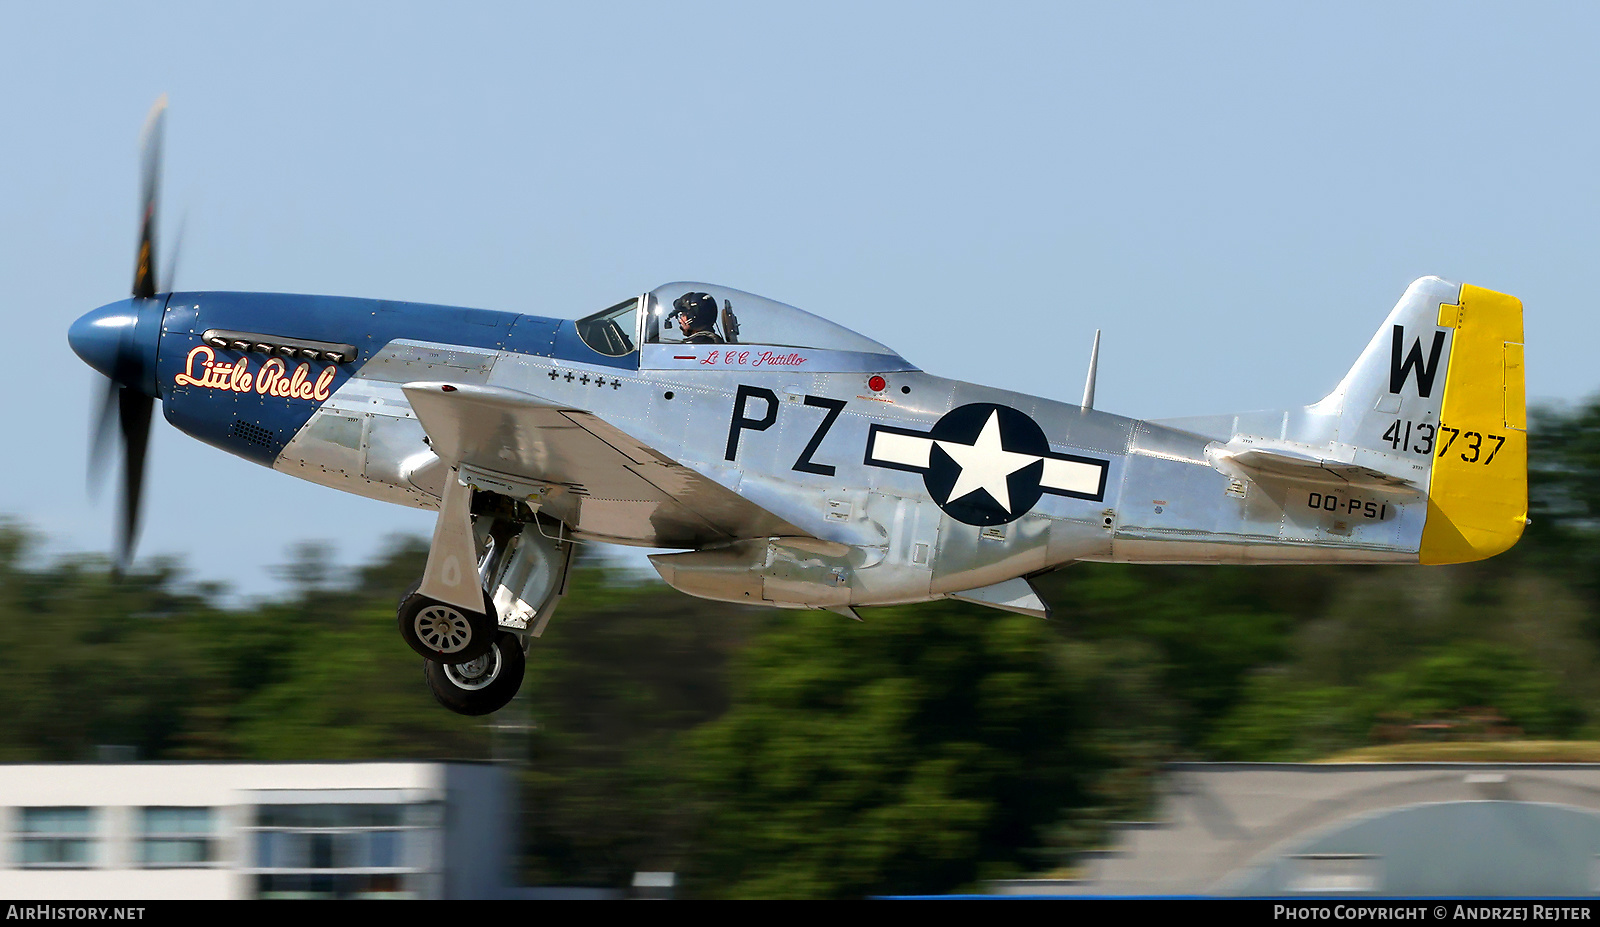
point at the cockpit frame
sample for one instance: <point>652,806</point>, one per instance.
<point>747,326</point>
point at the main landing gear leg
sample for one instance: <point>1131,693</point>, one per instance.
<point>448,616</point>
<point>526,567</point>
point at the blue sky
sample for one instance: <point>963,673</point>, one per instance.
<point>1235,193</point>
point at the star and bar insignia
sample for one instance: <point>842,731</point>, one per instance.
<point>986,464</point>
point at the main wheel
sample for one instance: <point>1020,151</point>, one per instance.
<point>481,686</point>
<point>440,631</point>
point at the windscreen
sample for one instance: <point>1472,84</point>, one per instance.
<point>611,331</point>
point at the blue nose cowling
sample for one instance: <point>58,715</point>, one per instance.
<point>120,340</point>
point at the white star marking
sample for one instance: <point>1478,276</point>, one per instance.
<point>985,464</point>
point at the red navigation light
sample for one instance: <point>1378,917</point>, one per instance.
<point>877,383</point>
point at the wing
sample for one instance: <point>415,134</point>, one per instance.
<point>573,466</point>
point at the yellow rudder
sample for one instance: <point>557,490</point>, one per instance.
<point>1478,492</point>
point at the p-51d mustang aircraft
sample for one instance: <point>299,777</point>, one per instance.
<point>793,462</point>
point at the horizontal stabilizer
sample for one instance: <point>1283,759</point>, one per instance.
<point>1296,465</point>
<point>1013,595</point>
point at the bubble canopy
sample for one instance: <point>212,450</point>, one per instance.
<point>726,317</point>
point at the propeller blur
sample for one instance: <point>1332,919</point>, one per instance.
<point>120,340</point>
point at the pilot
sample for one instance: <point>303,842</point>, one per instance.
<point>696,314</point>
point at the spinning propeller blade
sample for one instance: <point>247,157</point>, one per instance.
<point>144,271</point>
<point>120,357</point>
<point>100,436</point>
<point>133,412</point>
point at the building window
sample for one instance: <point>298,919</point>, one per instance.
<point>342,851</point>
<point>176,838</point>
<point>56,838</point>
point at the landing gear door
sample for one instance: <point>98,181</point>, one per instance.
<point>532,578</point>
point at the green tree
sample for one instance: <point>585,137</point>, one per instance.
<point>93,661</point>
<point>914,752</point>
<point>1202,629</point>
<point>1477,674</point>
<point>624,669</point>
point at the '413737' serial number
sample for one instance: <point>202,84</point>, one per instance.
<point>1423,438</point>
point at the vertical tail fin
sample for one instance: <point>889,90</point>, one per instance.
<point>1439,392</point>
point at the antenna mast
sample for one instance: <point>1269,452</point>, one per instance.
<point>1094,368</point>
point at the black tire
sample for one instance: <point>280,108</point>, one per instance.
<point>443,632</point>
<point>481,686</point>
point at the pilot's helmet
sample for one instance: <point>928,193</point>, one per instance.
<point>701,308</point>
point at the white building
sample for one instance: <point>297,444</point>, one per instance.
<point>251,830</point>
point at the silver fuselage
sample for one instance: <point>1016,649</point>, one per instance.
<point>1164,500</point>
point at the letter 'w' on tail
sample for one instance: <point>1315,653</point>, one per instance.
<point>1400,369</point>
